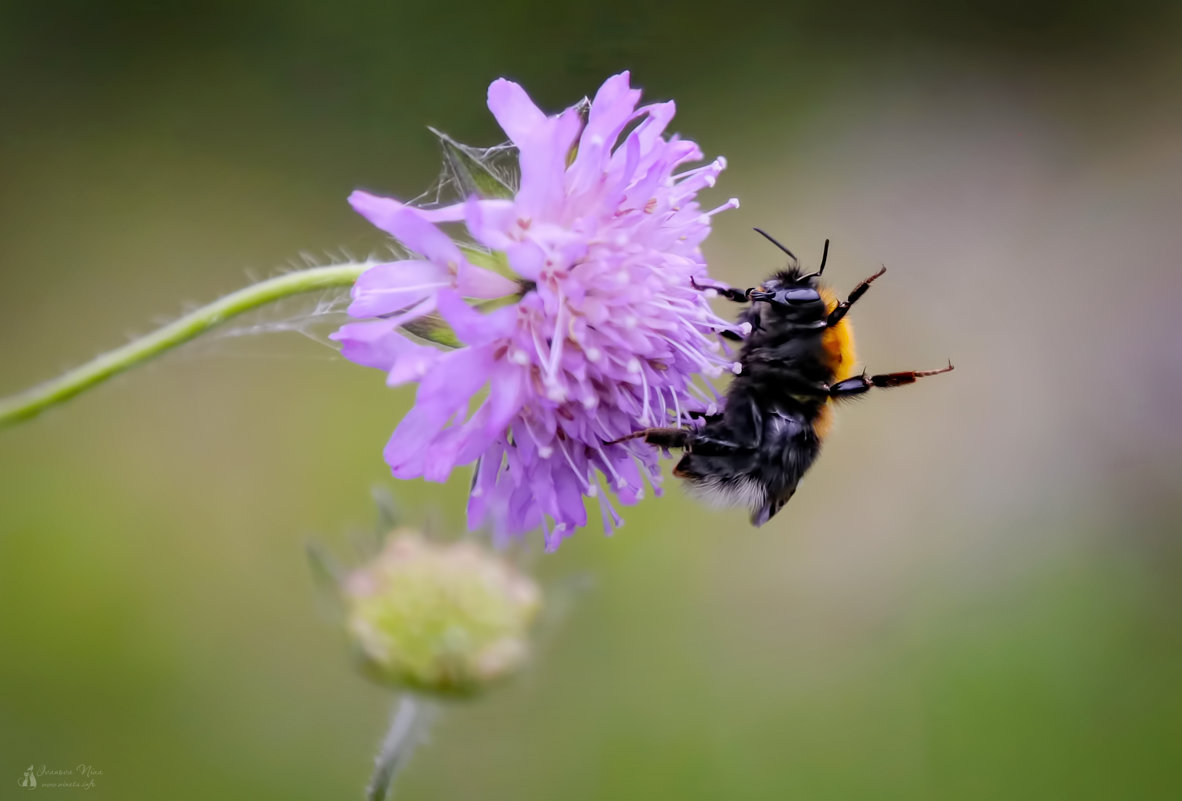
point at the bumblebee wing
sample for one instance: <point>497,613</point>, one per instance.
<point>769,509</point>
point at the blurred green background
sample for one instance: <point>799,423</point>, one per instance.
<point>976,593</point>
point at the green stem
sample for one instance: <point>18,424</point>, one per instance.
<point>409,721</point>
<point>36,400</point>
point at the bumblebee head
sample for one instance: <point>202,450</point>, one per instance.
<point>799,295</point>
<point>792,292</point>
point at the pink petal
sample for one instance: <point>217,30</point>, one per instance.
<point>489,221</point>
<point>389,287</point>
<point>412,362</point>
<point>444,392</point>
<point>514,111</point>
<point>527,259</point>
<point>613,107</point>
<point>379,344</point>
<point>542,143</point>
<point>408,226</point>
<point>474,327</point>
<point>369,344</point>
<point>477,282</point>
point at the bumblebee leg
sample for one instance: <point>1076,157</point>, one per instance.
<point>862,383</point>
<point>683,438</point>
<point>661,437</point>
<point>839,312</point>
<point>730,293</point>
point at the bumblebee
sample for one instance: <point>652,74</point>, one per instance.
<point>797,361</point>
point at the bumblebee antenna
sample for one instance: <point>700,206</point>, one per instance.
<point>821,269</point>
<point>769,238</point>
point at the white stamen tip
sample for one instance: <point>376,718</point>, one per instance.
<point>633,365</point>
<point>711,410</point>
<point>545,451</point>
<point>721,162</point>
<point>737,368</point>
<point>593,354</point>
<point>590,403</point>
<point>713,370</point>
<point>640,495</point>
<point>592,491</point>
<point>519,357</point>
<point>745,329</point>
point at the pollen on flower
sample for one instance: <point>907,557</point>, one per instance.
<point>589,328</point>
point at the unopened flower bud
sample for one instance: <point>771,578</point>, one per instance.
<point>447,618</point>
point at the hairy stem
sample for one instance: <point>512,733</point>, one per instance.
<point>409,720</point>
<point>39,398</point>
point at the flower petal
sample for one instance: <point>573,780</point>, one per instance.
<point>444,392</point>
<point>514,111</point>
<point>392,286</point>
<point>408,226</point>
<point>370,344</point>
<point>477,282</point>
<point>474,327</point>
<point>542,142</point>
<point>489,221</point>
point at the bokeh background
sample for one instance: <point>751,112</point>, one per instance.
<point>976,595</point>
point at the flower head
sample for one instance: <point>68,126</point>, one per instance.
<point>569,297</point>
<point>444,618</point>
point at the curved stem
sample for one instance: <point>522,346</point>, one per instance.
<point>409,720</point>
<point>36,400</point>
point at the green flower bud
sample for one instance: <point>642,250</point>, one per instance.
<point>446,618</point>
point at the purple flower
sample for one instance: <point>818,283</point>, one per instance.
<point>570,299</point>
